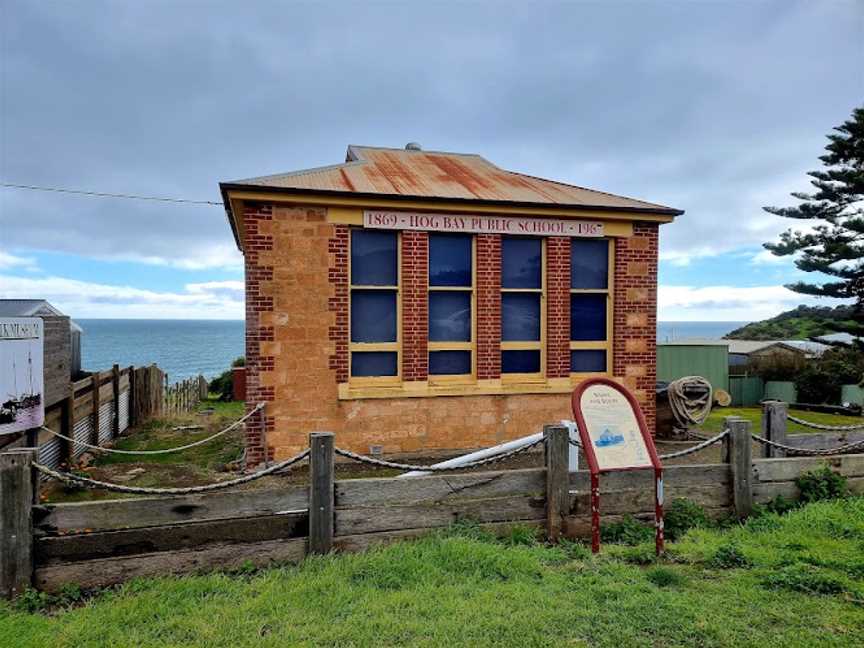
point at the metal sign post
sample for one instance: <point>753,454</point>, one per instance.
<point>615,438</point>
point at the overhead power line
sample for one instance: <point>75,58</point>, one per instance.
<point>102,194</point>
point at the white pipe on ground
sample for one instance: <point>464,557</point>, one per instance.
<point>501,448</point>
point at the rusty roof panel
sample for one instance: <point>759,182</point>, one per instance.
<point>432,174</point>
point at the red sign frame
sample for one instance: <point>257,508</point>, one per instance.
<point>594,466</point>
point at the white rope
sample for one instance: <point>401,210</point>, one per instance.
<point>817,452</point>
<point>696,448</point>
<point>690,412</point>
<point>69,478</point>
<point>257,408</point>
<point>820,426</point>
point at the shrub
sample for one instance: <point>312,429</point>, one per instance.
<point>729,556</point>
<point>682,515</point>
<point>628,531</point>
<point>664,577</point>
<point>821,484</point>
<point>804,578</point>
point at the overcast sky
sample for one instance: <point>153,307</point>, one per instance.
<point>715,108</point>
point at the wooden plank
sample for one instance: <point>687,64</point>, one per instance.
<point>557,479</point>
<point>94,411</point>
<point>156,511</point>
<point>187,535</point>
<point>392,518</point>
<point>16,523</point>
<point>440,488</point>
<point>84,400</point>
<point>693,475</point>
<point>321,492</point>
<point>115,397</point>
<point>364,541</point>
<point>824,439</point>
<point>84,383</point>
<point>106,392</point>
<point>768,470</point>
<point>766,491</point>
<point>110,571</point>
<point>637,501</point>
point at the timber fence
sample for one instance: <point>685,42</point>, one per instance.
<point>218,526</point>
<point>105,404</point>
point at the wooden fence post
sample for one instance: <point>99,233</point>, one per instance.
<point>741,463</point>
<point>94,433</point>
<point>774,422</point>
<point>321,492</point>
<point>115,382</point>
<point>16,523</point>
<point>557,479</point>
<point>67,427</point>
<point>133,398</point>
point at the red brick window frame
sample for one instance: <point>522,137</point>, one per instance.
<point>588,354</point>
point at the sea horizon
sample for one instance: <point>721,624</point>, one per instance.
<point>184,348</point>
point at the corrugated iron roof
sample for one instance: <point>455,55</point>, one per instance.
<point>434,174</point>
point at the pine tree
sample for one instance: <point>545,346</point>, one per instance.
<point>834,244</point>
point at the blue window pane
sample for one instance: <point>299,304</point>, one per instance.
<point>587,361</point>
<point>449,316</point>
<point>373,315</point>
<point>520,361</point>
<point>373,258</point>
<point>589,263</point>
<point>373,363</point>
<point>520,317</point>
<point>449,260</point>
<point>444,363</point>
<point>521,261</point>
<point>588,317</point>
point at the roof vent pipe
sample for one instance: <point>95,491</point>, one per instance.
<point>413,146</point>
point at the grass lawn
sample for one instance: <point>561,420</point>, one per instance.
<point>792,580</point>
<point>714,423</point>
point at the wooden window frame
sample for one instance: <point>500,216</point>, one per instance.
<point>377,381</point>
<point>609,291</point>
<point>471,346</point>
<point>539,345</point>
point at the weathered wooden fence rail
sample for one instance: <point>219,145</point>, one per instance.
<point>106,542</point>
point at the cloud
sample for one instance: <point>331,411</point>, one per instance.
<point>83,299</point>
<point>8,261</point>
<point>729,303</point>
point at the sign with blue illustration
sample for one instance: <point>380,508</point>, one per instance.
<point>613,428</point>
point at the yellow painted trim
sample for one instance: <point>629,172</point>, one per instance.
<point>491,387</point>
<point>433,206</point>
<point>450,346</point>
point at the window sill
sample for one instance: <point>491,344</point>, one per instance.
<point>423,389</point>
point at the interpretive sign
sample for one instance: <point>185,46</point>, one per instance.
<point>614,437</point>
<point>22,404</point>
<point>481,224</point>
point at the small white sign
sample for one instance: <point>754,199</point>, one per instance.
<point>399,220</point>
<point>22,402</point>
<point>614,429</point>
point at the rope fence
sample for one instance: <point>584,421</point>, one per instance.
<point>706,443</point>
<point>382,463</point>
<point>73,479</point>
<point>821,426</point>
<point>194,444</point>
<point>821,452</point>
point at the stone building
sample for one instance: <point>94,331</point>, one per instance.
<point>420,302</point>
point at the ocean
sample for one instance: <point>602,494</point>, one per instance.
<point>185,348</point>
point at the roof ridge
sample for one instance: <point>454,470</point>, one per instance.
<point>575,186</point>
<point>413,152</point>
